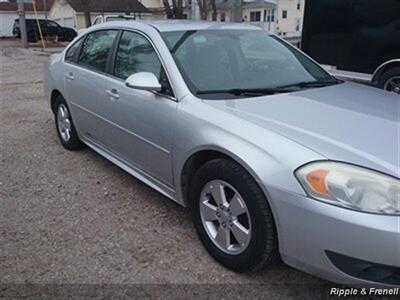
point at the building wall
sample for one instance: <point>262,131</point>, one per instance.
<point>7,21</point>
<point>292,25</point>
<point>63,14</point>
<point>268,16</point>
<point>152,4</point>
<point>289,28</point>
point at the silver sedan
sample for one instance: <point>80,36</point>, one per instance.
<point>274,157</point>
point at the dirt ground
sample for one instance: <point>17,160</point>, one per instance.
<point>74,222</point>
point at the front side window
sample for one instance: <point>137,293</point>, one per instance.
<point>135,54</point>
<point>284,14</point>
<point>72,51</point>
<point>96,49</point>
<point>52,24</point>
<point>223,60</point>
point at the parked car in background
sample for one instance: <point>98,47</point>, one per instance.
<point>109,18</point>
<point>359,36</point>
<point>273,155</point>
<point>49,29</point>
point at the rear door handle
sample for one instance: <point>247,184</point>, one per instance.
<point>70,76</point>
<point>113,93</point>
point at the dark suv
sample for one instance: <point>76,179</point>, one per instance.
<point>49,28</point>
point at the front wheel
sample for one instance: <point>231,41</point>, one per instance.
<point>390,80</point>
<point>232,216</point>
<point>65,127</point>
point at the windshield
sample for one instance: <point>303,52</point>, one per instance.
<point>214,63</point>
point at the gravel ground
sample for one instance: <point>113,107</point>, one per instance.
<point>72,221</point>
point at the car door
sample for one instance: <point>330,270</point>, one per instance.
<point>46,29</point>
<point>84,84</point>
<point>142,121</point>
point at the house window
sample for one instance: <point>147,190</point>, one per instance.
<point>271,16</point>
<point>222,17</point>
<point>255,16</point>
<point>298,22</point>
<point>284,14</point>
<point>298,4</point>
<point>265,15</point>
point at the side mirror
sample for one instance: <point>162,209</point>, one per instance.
<point>143,81</point>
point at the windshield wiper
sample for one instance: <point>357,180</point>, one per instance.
<point>274,90</point>
<point>247,92</point>
<point>315,83</point>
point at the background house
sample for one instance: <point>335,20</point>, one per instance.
<point>289,20</point>
<point>70,13</point>
<point>282,17</point>
<point>8,13</point>
<point>261,13</point>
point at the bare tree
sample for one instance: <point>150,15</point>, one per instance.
<point>204,6</point>
<point>173,10</point>
<point>86,11</point>
<point>213,5</point>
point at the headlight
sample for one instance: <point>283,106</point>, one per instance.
<point>351,187</point>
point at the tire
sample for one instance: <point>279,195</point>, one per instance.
<point>392,75</point>
<point>261,248</point>
<point>68,37</point>
<point>70,139</point>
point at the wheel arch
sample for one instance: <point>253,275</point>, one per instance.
<point>53,96</point>
<point>384,68</point>
<point>200,157</point>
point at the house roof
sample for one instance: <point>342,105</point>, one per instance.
<point>227,4</point>
<point>13,6</point>
<point>259,3</point>
<point>107,6</point>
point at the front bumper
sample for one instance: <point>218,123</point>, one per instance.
<point>309,230</point>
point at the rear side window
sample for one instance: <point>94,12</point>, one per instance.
<point>96,49</point>
<point>72,52</point>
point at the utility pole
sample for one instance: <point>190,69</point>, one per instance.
<point>22,23</point>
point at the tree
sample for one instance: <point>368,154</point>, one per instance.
<point>173,10</point>
<point>204,6</point>
<point>86,11</point>
<point>214,9</point>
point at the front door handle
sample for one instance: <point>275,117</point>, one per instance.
<point>70,76</point>
<point>113,93</point>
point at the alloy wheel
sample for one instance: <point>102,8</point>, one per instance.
<point>64,122</point>
<point>393,85</point>
<point>225,217</point>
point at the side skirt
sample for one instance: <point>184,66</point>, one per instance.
<point>134,171</point>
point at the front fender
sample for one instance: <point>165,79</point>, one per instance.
<point>270,158</point>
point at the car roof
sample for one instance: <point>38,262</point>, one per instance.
<point>181,25</point>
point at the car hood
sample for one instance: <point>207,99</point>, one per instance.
<point>346,122</point>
